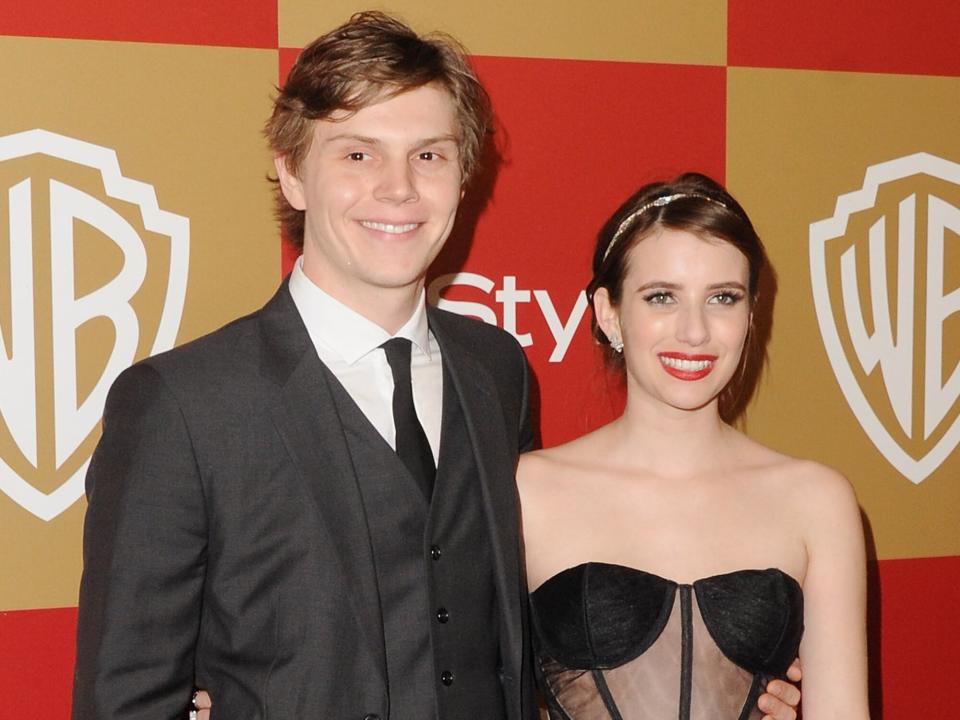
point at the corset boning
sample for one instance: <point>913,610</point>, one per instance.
<point>616,643</point>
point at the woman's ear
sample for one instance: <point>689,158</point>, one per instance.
<point>608,318</point>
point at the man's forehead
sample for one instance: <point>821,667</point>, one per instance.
<point>363,95</point>
<point>430,115</point>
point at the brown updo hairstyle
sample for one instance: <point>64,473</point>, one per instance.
<point>706,210</point>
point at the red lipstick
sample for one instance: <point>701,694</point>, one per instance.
<point>685,366</point>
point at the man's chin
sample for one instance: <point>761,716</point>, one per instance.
<point>399,283</point>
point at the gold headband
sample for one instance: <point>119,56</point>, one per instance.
<point>659,202</point>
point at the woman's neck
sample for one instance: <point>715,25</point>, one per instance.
<point>671,441</point>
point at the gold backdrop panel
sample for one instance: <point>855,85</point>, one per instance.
<point>692,32</point>
<point>134,215</point>
<point>853,181</point>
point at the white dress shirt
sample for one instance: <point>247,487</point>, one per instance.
<point>349,344</point>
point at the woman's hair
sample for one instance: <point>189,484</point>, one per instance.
<point>370,58</point>
<point>693,203</point>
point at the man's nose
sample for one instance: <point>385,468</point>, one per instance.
<point>397,183</point>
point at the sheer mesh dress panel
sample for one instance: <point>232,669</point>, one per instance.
<point>617,643</point>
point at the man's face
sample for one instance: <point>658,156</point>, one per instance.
<point>380,190</point>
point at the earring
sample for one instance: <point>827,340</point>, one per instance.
<point>617,344</point>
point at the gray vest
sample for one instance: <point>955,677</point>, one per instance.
<point>434,572</point>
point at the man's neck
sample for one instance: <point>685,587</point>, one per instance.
<point>390,308</point>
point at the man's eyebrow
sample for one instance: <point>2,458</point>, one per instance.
<point>435,141</point>
<point>439,139</point>
<point>366,140</point>
<point>353,138</point>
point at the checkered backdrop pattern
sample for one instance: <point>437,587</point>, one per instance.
<point>788,103</point>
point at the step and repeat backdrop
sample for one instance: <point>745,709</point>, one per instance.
<point>135,215</point>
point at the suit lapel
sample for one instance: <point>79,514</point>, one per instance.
<point>306,418</point>
<point>495,454</point>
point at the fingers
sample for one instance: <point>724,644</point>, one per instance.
<point>202,701</point>
<point>775,709</point>
<point>793,672</point>
<point>782,704</point>
<point>784,692</point>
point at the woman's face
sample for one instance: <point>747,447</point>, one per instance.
<point>683,317</point>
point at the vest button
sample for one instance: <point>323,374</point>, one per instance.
<point>371,716</point>
<point>435,552</point>
<point>446,677</point>
<point>442,615</point>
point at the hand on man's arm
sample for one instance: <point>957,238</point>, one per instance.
<point>781,699</point>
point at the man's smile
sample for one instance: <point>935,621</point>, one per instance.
<point>391,228</point>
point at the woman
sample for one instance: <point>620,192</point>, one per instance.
<point>666,551</point>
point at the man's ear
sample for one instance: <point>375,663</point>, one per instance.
<point>290,184</point>
<point>607,316</point>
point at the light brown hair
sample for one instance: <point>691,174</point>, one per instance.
<point>369,58</point>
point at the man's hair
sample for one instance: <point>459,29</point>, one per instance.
<point>371,57</point>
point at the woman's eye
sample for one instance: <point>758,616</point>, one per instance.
<point>658,298</point>
<point>428,155</point>
<point>727,298</point>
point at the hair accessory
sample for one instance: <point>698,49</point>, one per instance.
<point>658,202</point>
<point>617,344</point>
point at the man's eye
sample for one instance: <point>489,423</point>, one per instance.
<point>428,155</point>
<point>356,156</point>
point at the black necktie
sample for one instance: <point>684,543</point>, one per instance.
<point>412,445</point>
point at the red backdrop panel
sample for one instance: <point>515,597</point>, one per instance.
<point>897,37</point>
<point>36,663</point>
<point>917,656</point>
<point>251,23</point>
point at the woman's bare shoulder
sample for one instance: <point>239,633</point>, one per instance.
<point>573,453</point>
<point>564,463</point>
<point>788,468</point>
<point>811,487</point>
<point>812,476</point>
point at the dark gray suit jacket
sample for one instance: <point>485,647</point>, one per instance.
<point>225,541</point>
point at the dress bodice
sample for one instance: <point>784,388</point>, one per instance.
<point>616,643</point>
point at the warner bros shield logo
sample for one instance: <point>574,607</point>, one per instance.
<point>93,277</point>
<point>885,271</point>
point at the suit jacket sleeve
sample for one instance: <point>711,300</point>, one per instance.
<point>144,551</point>
<point>527,439</point>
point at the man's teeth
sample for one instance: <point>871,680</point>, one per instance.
<point>388,228</point>
<point>686,365</point>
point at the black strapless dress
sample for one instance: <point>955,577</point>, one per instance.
<point>615,643</point>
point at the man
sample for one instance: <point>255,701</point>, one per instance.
<point>293,512</point>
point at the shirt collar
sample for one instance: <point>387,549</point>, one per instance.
<point>343,331</point>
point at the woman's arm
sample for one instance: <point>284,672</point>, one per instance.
<point>834,646</point>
